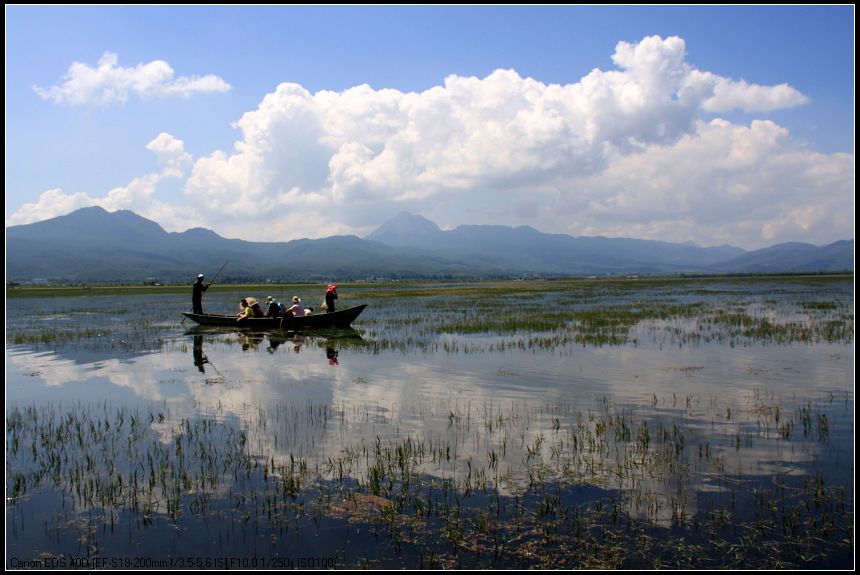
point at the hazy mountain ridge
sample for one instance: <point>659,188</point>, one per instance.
<point>93,245</point>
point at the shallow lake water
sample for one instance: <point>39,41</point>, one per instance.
<point>693,424</point>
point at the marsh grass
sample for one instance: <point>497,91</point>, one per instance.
<point>551,316</point>
<point>674,483</point>
<point>103,324</point>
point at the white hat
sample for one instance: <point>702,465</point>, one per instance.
<point>199,276</point>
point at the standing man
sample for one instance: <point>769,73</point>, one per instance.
<point>197,296</point>
<point>330,296</point>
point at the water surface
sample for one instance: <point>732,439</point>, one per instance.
<point>468,425</point>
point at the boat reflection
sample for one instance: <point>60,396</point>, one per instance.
<point>250,342</point>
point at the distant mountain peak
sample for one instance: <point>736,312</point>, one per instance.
<point>200,233</point>
<point>405,229</point>
<point>407,218</point>
<point>90,210</point>
<point>95,220</point>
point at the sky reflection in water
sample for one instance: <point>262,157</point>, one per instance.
<point>509,400</point>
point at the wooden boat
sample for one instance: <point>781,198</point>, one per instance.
<point>338,319</point>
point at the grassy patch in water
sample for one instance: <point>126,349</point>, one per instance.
<point>618,314</point>
<point>489,486</point>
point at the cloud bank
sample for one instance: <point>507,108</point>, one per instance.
<point>109,83</point>
<point>636,151</point>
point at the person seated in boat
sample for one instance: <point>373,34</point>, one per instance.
<point>247,310</point>
<point>275,307</point>
<point>297,309</point>
<point>250,308</point>
<point>257,307</point>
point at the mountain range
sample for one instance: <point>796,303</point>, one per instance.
<point>91,245</point>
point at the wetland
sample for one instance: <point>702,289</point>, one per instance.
<point>627,424</point>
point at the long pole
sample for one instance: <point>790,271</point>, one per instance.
<point>219,272</point>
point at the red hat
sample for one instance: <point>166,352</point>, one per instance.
<point>331,287</point>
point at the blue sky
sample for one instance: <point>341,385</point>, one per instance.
<point>460,119</point>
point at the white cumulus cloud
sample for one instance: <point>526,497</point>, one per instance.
<point>51,203</point>
<point>107,83</point>
<point>730,95</point>
<point>732,184</point>
<point>632,151</point>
